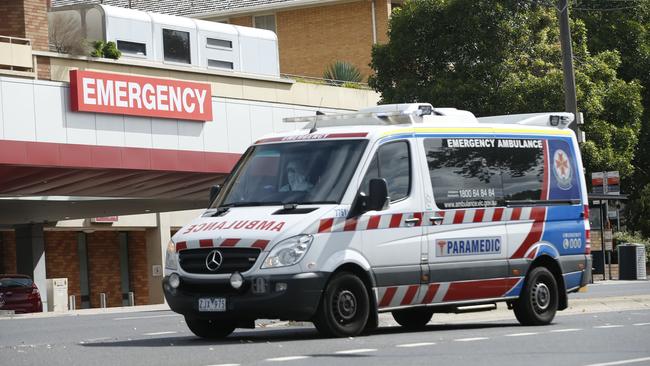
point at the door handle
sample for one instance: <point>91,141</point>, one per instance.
<point>436,220</point>
<point>413,220</point>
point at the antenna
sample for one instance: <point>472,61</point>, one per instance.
<point>318,113</point>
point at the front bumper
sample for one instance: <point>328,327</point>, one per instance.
<point>256,299</point>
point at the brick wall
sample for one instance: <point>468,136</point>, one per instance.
<point>312,38</point>
<point>25,19</point>
<point>104,267</point>
<point>62,260</point>
<point>138,271</point>
<point>8,251</point>
<point>243,21</point>
<point>43,67</point>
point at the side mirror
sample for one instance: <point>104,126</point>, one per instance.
<point>376,200</point>
<point>378,195</point>
<point>214,192</point>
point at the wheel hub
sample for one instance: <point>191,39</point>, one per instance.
<point>346,305</point>
<point>541,296</point>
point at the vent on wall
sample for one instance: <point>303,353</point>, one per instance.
<point>220,64</point>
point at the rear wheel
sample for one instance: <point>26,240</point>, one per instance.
<point>413,318</point>
<point>538,301</point>
<point>344,307</point>
<point>211,329</point>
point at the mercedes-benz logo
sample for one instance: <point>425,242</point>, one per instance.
<point>213,260</point>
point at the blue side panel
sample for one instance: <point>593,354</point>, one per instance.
<point>564,227</point>
<point>515,291</point>
<point>565,230</point>
<point>564,176</point>
<point>572,280</point>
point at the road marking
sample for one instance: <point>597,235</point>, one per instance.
<point>226,364</point>
<point>608,326</point>
<point>159,333</point>
<point>622,362</point>
<point>97,339</point>
<point>566,330</point>
<point>147,317</point>
<point>641,324</point>
<point>408,345</point>
<point>360,350</point>
<point>520,334</point>
<point>288,358</point>
<point>470,339</point>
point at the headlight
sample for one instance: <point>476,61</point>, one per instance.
<point>170,256</point>
<point>288,252</point>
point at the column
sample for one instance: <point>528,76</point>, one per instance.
<point>30,256</point>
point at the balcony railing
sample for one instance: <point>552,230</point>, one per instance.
<point>16,56</point>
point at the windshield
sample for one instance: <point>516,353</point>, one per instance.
<point>295,172</point>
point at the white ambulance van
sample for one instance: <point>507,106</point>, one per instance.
<point>403,208</point>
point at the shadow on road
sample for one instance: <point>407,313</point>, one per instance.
<point>281,335</point>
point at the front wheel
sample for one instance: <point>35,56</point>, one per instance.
<point>538,301</point>
<point>344,307</point>
<point>211,329</point>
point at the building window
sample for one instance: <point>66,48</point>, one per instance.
<point>176,46</point>
<point>264,22</point>
<point>221,43</point>
<point>220,64</point>
<point>132,48</point>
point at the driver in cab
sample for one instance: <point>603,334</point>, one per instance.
<point>296,178</point>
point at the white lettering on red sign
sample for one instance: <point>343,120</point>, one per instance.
<point>140,96</point>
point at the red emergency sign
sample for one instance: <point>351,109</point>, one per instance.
<point>100,92</point>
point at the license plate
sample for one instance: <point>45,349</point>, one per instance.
<point>212,304</point>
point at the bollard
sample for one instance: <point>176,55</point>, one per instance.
<point>102,300</point>
<point>131,299</point>
<point>72,303</point>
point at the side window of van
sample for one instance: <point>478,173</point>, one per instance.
<point>464,172</point>
<point>522,168</point>
<point>392,162</point>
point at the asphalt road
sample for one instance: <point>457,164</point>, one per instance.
<point>610,323</point>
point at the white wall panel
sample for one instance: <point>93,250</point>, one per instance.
<point>190,135</point>
<point>164,133</point>
<point>2,127</point>
<point>18,111</point>
<point>215,133</point>
<point>239,126</point>
<point>80,126</point>
<point>137,132</point>
<point>280,113</point>
<point>49,112</point>
<point>261,121</point>
<point>110,129</point>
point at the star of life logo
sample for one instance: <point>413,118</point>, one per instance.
<point>562,169</point>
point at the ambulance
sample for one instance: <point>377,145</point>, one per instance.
<point>404,208</point>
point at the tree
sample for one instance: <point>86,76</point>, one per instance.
<point>625,27</point>
<point>502,57</point>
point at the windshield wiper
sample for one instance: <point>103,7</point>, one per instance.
<point>249,204</point>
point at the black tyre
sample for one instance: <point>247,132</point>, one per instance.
<point>413,318</point>
<point>538,301</point>
<point>344,307</point>
<point>211,329</point>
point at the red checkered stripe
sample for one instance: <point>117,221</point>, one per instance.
<point>449,217</point>
<point>408,295</point>
<point>222,243</point>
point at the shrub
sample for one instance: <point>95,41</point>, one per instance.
<point>106,50</point>
<point>340,72</point>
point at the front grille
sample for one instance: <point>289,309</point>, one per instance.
<point>234,259</point>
